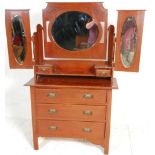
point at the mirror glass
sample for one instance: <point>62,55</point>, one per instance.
<point>75,31</point>
<point>128,41</point>
<point>18,39</point>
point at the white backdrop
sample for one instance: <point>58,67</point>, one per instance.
<point>134,102</point>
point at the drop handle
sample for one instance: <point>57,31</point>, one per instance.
<point>87,112</point>
<point>52,111</point>
<point>51,95</point>
<point>88,96</point>
<point>53,128</point>
<point>103,73</point>
<point>88,130</point>
<point>43,69</point>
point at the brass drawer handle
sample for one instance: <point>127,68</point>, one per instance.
<point>87,112</point>
<point>87,130</point>
<point>51,95</point>
<point>52,111</point>
<point>88,96</point>
<point>103,73</point>
<point>42,69</point>
<point>53,128</point>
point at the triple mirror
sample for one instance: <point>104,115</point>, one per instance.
<point>76,34</point>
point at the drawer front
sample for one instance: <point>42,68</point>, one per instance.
<point>47,70</point>
<point>91,131</point>
<point>71,112</point>
<point>74,96</point>
<point>103,73</point>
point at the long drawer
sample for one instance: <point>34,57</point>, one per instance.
<point>71,112</point>
<point>73,96</point>
<point>91,131</point>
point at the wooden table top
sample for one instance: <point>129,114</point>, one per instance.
<point>75,82</point>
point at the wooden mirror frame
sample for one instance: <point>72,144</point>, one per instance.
<point>139,18</point>
<point>95,10</point>
<point>24,14</point>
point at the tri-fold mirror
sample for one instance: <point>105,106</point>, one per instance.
<point>78,36</point>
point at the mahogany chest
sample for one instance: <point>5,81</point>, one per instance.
<point>72,108</point>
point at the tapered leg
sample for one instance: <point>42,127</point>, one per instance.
<point>106,150</point>
<point>34,122</point>
<point>107,126</point>
<point>35,142</point>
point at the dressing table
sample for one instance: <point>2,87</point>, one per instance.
<point>75,53</point>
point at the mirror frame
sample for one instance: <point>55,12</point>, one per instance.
<point>95,10</point>
<point>24,15</point>
<point>139,18</point>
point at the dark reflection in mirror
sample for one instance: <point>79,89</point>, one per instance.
<point>18,39</point>
<point>128,41</point>
<point>75,31</point>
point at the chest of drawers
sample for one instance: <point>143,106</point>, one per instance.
<point>72,108</point>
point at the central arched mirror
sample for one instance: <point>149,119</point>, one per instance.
<point>74,31</point>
